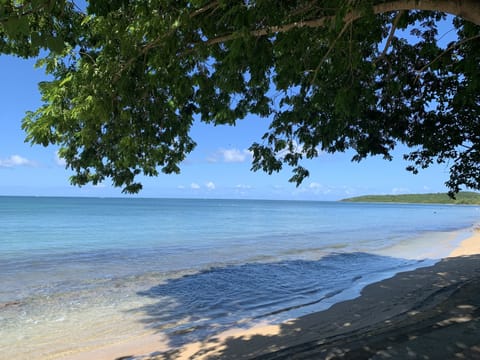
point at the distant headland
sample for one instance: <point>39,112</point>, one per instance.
<point>462,198</point>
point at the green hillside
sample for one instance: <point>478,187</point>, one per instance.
<point>466,197</point>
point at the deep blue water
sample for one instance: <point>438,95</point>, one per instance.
<point>212,262</point>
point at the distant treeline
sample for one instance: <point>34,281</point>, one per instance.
<point>466,197</point>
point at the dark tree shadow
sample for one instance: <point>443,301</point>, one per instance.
<point>195,307</point>
<point>430,313</point>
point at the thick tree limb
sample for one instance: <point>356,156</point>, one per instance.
<point>466,9</point>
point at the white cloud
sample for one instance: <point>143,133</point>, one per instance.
<point>180,187</point>
<point>399,190</point>
<point>210,185</point>
<point>348,191</point>
<point>59,161</point>
<point>232,155</point>
<point>194,186</point>
<point>16,160</point>
<point>297,149</point>
<point>319,189</point>
<point>243,187</point>
<point>315,185</point>
<point>213,158</point>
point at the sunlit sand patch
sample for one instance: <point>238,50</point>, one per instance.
<point>470,246</point>
<point>215,345</point>
<point>455,320</point>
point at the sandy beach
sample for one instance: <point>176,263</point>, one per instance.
<point>428,313</point>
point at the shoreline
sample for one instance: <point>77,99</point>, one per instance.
<point>389,319</point>
<point>469,246</point>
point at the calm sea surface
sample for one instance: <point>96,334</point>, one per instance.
<point>79,273</point>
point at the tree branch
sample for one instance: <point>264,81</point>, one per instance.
<point>204,9</point>
<point>332,45</point>
<point>467,9</point>
<point>451,47</point>
<point>390,36</point>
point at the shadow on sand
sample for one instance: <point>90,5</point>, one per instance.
<point>429,313</point>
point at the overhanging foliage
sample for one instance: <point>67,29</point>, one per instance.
<point>131,76</point>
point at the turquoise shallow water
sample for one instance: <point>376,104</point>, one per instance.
<point>189,268</point>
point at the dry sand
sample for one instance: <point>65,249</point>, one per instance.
<point>470,246</point>
<point>428,313</point>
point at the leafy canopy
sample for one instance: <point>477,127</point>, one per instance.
<point>129,77</point>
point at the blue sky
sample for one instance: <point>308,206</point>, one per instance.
<point>218,168</point>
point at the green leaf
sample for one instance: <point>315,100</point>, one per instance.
<point>55,44</point>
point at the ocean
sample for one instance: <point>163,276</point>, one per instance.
<point>82,273</point>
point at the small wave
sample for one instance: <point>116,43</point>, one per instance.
<point>302,305</point>
<point>10,304</point>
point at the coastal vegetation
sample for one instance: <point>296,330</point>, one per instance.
<point>464,197</point>
<point>127,80</point>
